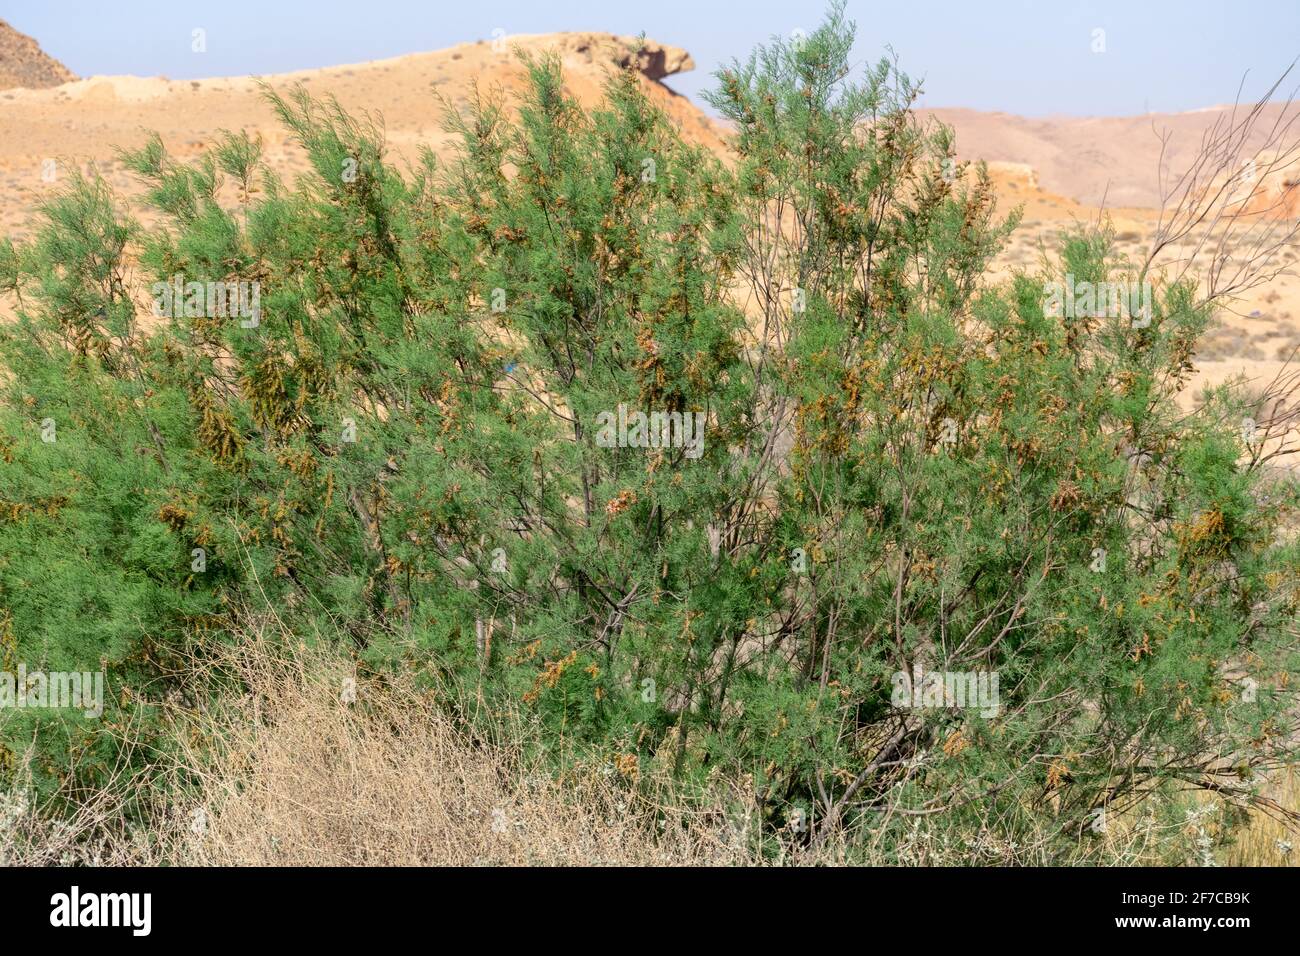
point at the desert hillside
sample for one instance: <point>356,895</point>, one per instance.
<point>84,120</point>
<point>24,64</point>
<point>1115,160</point>
<point>1059,170</point>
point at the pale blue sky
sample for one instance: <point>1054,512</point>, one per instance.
<point>1031,57</point>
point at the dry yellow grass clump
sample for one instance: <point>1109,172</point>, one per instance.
<point>310,765</point>
<point>314,767</point>
<point>1271,840</point>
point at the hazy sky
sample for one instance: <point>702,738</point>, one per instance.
<point>1032,57</point>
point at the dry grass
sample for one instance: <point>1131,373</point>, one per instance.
<point>1268,840</point>
<point>294,774</point>
<point>297,771</point>
<point>92,834</point>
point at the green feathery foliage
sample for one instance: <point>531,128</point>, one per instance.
<point>410,440</point>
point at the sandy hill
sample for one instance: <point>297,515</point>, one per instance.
<point>1094,159</point>
<point>1057,169</point>
<point>85,119</point>
<point>23,63</point>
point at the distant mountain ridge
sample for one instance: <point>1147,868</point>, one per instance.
<point>1080,160</point>
<point>1090,160</point>
<point>1115,160</point>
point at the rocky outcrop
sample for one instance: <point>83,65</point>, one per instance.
<point>24,64</point>
<point>655,60</point>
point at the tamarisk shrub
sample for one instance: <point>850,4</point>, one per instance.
<point>902,467</point>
